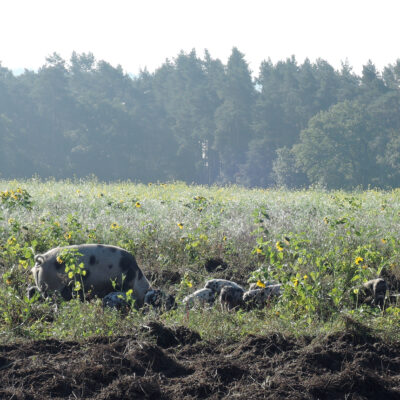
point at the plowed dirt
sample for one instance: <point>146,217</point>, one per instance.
<point>165,363</point>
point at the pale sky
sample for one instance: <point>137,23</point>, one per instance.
<point>139,34</point>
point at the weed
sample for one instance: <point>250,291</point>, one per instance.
<point>322,246</point>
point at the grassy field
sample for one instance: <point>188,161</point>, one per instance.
<point>321,245</point>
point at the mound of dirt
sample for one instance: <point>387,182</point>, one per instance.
<point>164,278</point>
<point>166,337</point>
<point>215,264</point>
<point>173,363</point>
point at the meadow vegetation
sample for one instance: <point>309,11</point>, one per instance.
<point>321,245</point>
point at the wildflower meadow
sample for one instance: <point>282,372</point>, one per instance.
<point>321,245</point>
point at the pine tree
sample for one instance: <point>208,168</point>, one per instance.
<point>233,118</point>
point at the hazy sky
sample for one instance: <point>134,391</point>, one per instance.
<point>138,34</point>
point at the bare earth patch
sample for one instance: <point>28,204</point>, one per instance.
<point>175,363</point>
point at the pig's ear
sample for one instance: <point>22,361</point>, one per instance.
<point>39,259</point>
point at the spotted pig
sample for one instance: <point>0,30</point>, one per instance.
<point>258,298</point>
<point>103,264</point>
<point>116,301</point>
<point>375,292</point>
<point>202,297</point>
<point>217,284</point>
<point>159,300</point>
<point>231,297</point>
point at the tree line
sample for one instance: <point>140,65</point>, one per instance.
<point>198,120</point>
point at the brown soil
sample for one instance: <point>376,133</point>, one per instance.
<point>163,363</point>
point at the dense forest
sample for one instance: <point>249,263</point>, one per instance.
<point>197,120</point>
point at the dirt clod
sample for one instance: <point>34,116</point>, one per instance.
<point>168,337</point>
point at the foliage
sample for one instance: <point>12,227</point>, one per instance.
<point>197,120</point>
<point>285,171</point>
<point>322,246</point>
<point>69,258</point>
<point>16,198</point>
<point>342,132</point>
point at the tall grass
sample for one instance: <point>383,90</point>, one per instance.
<point>309,240</point>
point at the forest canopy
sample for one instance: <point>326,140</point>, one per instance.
<point>198,120</point>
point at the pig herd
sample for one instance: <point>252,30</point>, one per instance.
<point>111,273</point>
